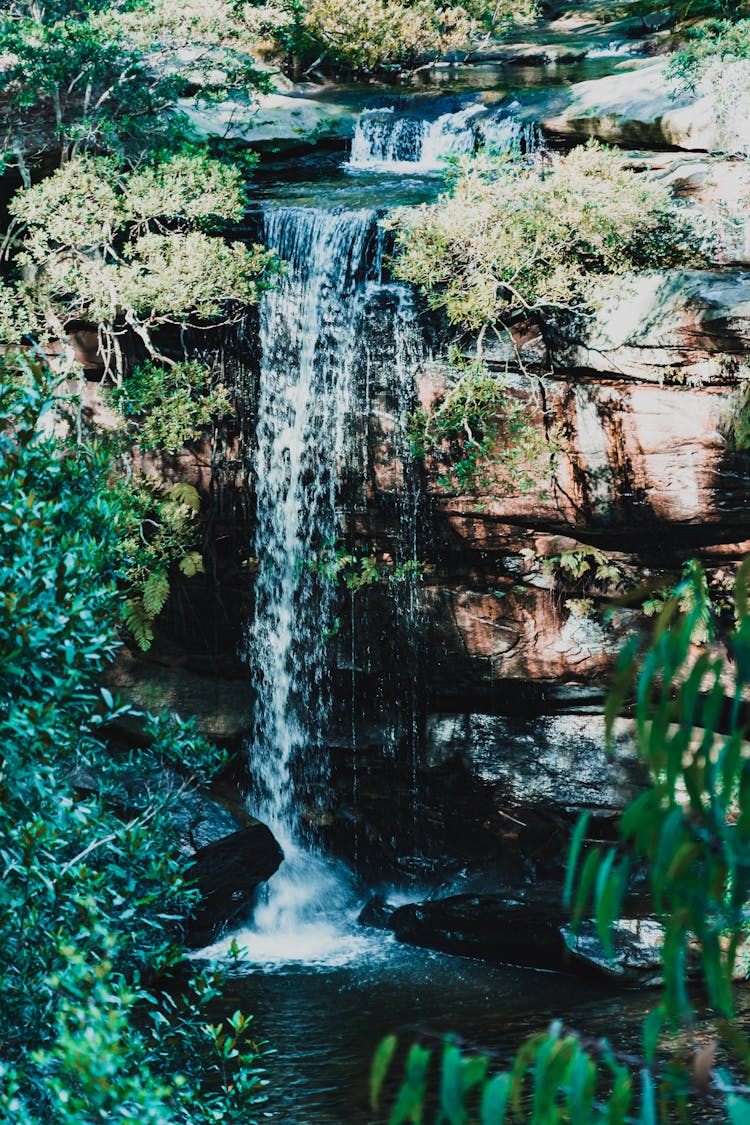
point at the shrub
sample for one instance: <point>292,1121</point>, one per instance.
<point>514,243</point>
<point>486,434</point>
<point>715,41</point>
<point>93,895</point>
<point>131,252</point>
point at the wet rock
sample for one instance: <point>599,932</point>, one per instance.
<point>227,874</point>
<point>555,762</point>
<point>377,913</point>
<point>221,704</point>
<point>528,927</point>
<point>637,959</point>
<point>497,928</point>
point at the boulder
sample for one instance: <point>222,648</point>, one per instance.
<point>227,874</point>
<point>276,123</point>
<point>377,913</point>
<point>640,106</point>
<point>529,927</point>
<point>231,852</point>
<point>521,927</point>
<point>637,959</point>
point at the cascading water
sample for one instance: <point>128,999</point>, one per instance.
<point>308,327</point>
<point>311,353</point>
<point>385,140</point>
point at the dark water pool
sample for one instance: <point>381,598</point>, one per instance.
<point>324,1021</point>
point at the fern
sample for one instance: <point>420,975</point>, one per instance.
<point>192,564</point>
<point>155,594</point>
<point>139,623</point>
<point>186,494</point>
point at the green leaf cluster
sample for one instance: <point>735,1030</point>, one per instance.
<point>85,76</point>
<point>169,405</point>
<point>355,571</point>
<point>158,534</point>
<point>93,893</point>
<point>516,243</point>
<point>486,434</point>
<point>713,41</point>
<point>553,1080</point>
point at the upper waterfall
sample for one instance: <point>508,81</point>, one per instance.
<point>388,140</point>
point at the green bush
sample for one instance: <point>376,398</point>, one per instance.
<point>512,243</point>
<point>486,435</point>
<point>132,252</point>
<point>93,895</point>
<point>169,405</point>
<point>715,41</point>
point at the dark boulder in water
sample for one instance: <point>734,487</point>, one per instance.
<point>528,926</point>
<point>227,874</point>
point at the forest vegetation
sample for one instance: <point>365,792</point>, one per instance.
<point>123,225</point>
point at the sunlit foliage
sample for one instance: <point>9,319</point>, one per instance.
<point>511,242</point>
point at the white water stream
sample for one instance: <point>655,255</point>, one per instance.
<point>311,345</point>
<point>385,140</point>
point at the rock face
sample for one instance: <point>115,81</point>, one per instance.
<point>641,107</point>
<point>277,123</point>
<point>556,762</point>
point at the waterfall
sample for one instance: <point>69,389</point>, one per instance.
<point>385,140</point>
<point>308,344</point>
<point>313,398</point>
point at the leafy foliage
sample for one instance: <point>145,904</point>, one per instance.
<point>132,252</point>
<point>514,243</point>
<point>554,1080</point>
<point>85,76</point>
<point>158,534</point>
<point>169,405</point>
<point>691,830</point>
<point>93,892</point>
<point>378,35</point>
<point>335,564</point>
<point>711,42</point>
<point>487,435</point>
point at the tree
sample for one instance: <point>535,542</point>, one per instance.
<point>133,252</point>
<point>378,35</point>
<point>88,76</point>
<point>691,829</point>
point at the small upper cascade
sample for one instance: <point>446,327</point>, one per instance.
<point>388,141</point>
